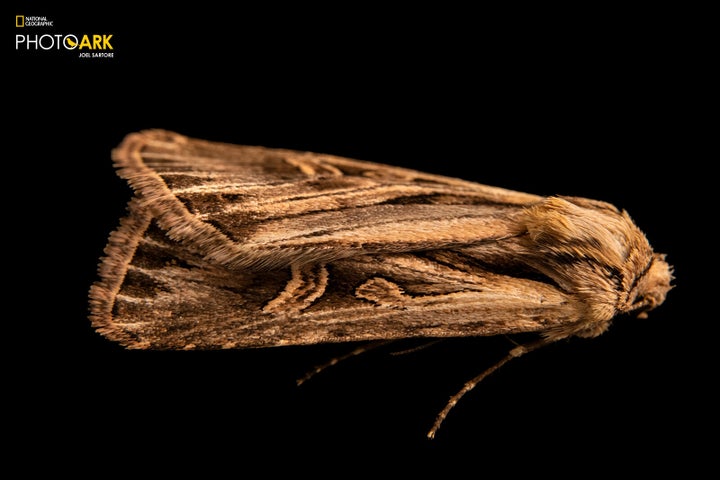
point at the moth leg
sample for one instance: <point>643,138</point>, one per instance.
<point>333,361</point>
<point>417,348</point>
<point>516,352</point>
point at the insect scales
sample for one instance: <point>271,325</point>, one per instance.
<point>228,246</point>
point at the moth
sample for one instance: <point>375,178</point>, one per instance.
<point>229,246</point>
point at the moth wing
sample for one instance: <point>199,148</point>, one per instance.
<point>260,208</point>
<point>157,293</point>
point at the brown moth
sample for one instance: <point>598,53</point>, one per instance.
<point>228,246</point>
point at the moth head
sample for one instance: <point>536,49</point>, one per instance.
<point>594,250</point>
<point>651,286</point>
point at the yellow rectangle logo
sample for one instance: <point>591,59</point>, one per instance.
<point>19,20</point>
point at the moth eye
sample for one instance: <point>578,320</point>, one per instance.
<point>652,287</point>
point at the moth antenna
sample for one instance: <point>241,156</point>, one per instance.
<point>336,360</point>
<point>417,348</point>
<point>516,352</point>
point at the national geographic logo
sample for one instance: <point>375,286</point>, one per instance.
<point>88,45</point>
<point>22,21</point>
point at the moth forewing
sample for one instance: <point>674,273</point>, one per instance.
<point>230,246</point>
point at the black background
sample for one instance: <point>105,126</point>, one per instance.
<point>540,101</point>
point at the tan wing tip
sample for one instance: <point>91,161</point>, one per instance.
<point>133,142</point>
<point>156,134</point>
<point>111,270</point>
<point>101,318</point>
